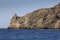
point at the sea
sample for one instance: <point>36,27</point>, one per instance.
<point>29,34</point>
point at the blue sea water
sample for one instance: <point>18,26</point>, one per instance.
<point>27,34</point>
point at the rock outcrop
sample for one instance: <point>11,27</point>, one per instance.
<point>46,18</point>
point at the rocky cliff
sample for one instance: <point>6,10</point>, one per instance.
<point>46,18</point>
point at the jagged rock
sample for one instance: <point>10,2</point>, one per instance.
<point>46,18</point>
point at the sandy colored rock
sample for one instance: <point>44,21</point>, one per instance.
<point>46,18</point>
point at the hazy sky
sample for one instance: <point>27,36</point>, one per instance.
<point>21,7</point>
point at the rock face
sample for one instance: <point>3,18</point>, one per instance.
<point>46,18</point>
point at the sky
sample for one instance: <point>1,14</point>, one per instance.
<point>21,8</point>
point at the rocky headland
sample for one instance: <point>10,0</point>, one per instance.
<point>46,18</point>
